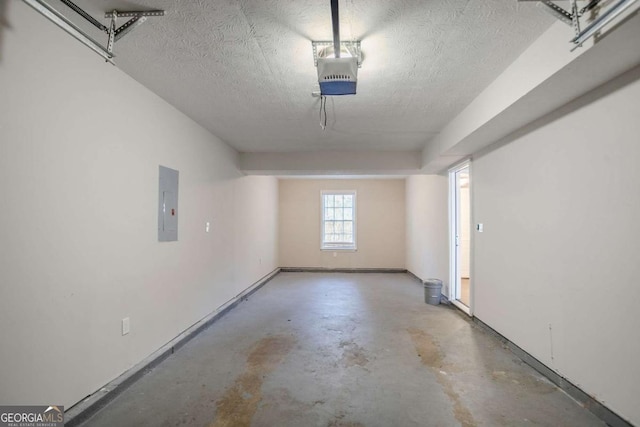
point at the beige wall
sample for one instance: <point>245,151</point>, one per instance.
<point>380,224</point>
<point>80,145</point>
<point>427,227</point>
<point>556,269</point>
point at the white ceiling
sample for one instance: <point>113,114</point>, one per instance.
<point>244,69</point>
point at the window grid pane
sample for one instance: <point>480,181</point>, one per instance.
<point>338,220</point>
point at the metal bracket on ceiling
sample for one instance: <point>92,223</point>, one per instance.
<point>573,18</point>
<point>563,15</point>
<point>114,33</point>
<point>322,48</point>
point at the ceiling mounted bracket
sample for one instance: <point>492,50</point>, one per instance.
<point>573,18</point>
<point>114,33</point>
<point>137,18</point>
<point>564,15</point>
<point>557,11</point>
<point>609,15</point>
<point>322,48</point>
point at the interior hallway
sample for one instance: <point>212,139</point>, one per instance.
<point>334,349</point>
<point>465,291</point>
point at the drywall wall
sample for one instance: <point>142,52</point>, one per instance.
<point>380,224</point>
<point>556,267</point>
<point>80,145</point>
<point>256,227</point>
<point>427,227</point>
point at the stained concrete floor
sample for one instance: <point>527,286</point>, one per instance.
<point>336,349</point>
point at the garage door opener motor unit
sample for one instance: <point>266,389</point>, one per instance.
<point>337,76</point>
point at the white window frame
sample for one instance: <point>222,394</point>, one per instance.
<point>339,246</point>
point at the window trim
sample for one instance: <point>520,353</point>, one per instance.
<point>339,246</point>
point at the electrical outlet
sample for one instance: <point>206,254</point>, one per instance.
<point>207,227</point>
<point>126,326</point>
<point>335,254</point>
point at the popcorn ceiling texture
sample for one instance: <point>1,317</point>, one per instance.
<point>244,69</point>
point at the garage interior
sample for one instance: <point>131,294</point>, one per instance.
<point>243,314</point>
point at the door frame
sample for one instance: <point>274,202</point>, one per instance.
<point>454,251</point>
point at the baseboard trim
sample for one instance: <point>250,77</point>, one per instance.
<point>444,300</point>
<point>86,408</point>
<point>341,270</point>
<point>410,273</point>
<point>598,409</point>
<point>89,406</point>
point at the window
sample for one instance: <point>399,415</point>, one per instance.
<point>338,220</point>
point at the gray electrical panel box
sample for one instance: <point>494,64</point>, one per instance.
<point>168,205</point>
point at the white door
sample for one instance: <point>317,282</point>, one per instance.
<point>460,241</point>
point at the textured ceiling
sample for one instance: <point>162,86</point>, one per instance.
<point>244,69</point>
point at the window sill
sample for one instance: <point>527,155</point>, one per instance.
<point>328,249</point>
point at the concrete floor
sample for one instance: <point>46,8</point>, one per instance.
<point>336,349</point>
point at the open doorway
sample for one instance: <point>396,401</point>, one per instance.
<point>460,232</point>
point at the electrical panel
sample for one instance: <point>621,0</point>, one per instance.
<point>168,205</point>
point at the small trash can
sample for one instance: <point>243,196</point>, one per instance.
<point>432,291</point>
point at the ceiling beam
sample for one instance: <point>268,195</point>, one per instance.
<point>544,78</point>
<point>331,163</point>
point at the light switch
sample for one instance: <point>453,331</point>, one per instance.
<point>480,227</point>
<point>207,227</point>
<point>126,326</point>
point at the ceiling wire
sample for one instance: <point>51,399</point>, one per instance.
<point>323,112</point>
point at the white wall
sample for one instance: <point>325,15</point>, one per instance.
<point>380,224</point>
<point>80,145</point>
<point>256,228</point>
<point>427,227</point>
<point>556,269</point>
